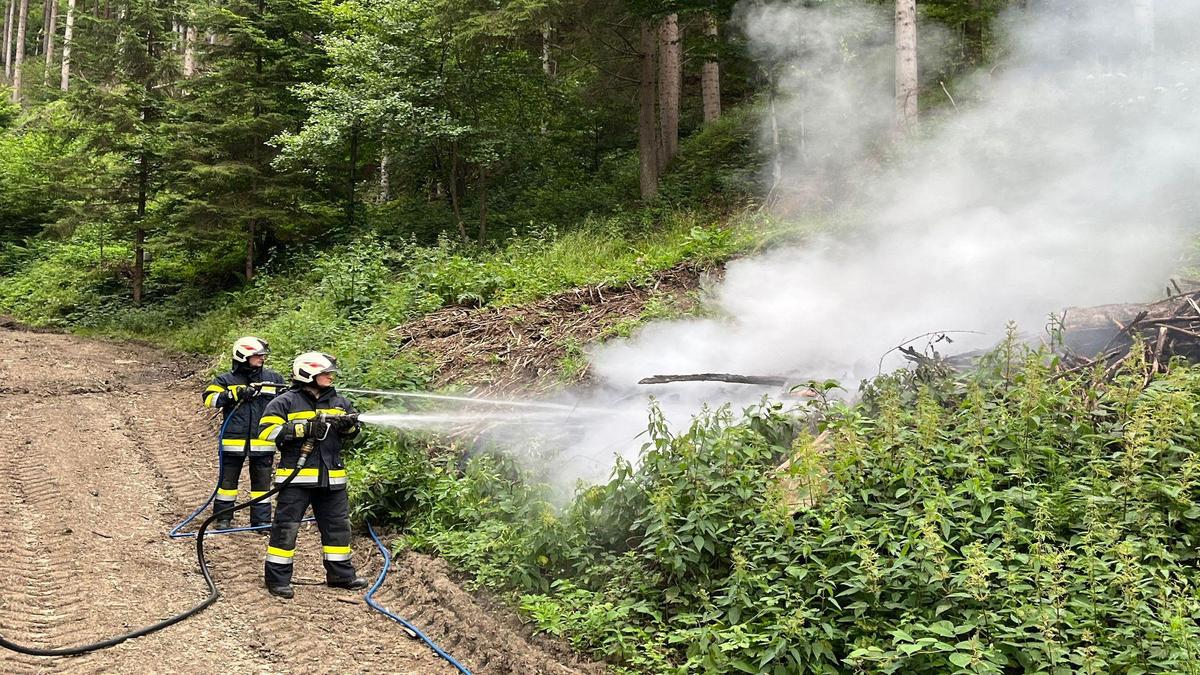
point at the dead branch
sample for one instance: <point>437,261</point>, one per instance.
<point>768,380</point>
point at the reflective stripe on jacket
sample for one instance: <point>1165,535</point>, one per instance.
<point>325,467</point>
<point>241,432</point>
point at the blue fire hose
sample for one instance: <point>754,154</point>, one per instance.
<point>369,597</point>
<point>413,630</point>
<point>175,531</point>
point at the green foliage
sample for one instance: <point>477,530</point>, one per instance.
<point>1003,521</point>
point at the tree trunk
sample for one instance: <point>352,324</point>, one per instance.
<point>40,50</point>
<point>53,23</point>
<point>189,51</point>
<point>710,80</point>
<point>385,179</point>
<point>670,81</point>
<point>647,120</point>
<point>776,148</point>
<point>19,50</point>
<point>68,35</point>
<point>906,67</point>
<point>9,16</point>
<point>548,65</point>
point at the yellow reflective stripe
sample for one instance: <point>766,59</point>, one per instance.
<point>211,400</point>
<point>254,442</point>
<point>303,472</point>
<point>271,419</point>
<point>269,390</point>
<point>226,495</point>
<point>215,387</point>
<point>336,549</point>
<point>281,552</point>
<point>255,494</point>
<point>269,433</point>
<point>309,414</point>
<point>337,473</point>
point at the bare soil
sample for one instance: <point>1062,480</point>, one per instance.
<point>519,348</point>
<point>105,447</point>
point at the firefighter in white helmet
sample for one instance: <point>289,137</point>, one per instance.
<point>242,394</point>
<point>291,419</point>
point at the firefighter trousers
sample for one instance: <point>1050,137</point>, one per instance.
<point>332,511</point>
<point>260,483</point>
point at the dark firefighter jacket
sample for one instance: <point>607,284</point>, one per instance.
<point>278,424</point>
<point>242,431</point>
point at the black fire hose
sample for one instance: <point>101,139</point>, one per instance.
<point>213,593</point>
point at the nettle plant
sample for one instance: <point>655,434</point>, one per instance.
<point>1007,521</point>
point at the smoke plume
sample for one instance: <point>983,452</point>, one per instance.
<point>1063,174</point>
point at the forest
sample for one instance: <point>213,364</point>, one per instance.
<point>554,198</point>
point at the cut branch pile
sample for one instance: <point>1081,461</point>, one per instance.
<point>494,349</point>
<point>1108,335</point>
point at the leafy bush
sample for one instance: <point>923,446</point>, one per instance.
<point>1005,521</point>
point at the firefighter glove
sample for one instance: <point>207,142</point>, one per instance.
<point>313,428</point>
<point>241,392</point>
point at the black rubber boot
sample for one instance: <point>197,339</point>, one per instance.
<point>223,523</point>
<point>355,584</point>
<point>285,592</point>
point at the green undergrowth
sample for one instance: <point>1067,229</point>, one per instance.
<point>345,299</point>
<point>1006,521</point>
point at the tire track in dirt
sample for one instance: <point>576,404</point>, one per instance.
<point>283,631</point>
<point>107,448</point>
<point>40,601</point>
<point>420,590</point>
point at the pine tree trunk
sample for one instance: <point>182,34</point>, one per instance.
<point>189,51</point>
<point>710,80</point>
<point>9,16</point>
<point>19,50</point>
<point>670,81</point>
<point>68,36</point>
<point>647,120</point>
<point>53,23</point>
<point>906,67</point>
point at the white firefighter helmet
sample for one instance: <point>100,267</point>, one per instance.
<point>307,366</point>
<point>248,346</point>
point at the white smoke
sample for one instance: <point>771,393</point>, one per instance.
<point>1069,178</point>
<point>1070,181</point>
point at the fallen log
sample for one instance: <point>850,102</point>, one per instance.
<point>1169,328</point>
<point>767,380</point>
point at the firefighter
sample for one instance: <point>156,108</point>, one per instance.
<point>242,394</point>
<point>291,419</point>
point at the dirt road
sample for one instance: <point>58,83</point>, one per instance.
<point>104,448</point>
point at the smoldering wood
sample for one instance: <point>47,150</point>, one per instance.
<point>767,380</point>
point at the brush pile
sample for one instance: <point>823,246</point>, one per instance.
<point>1105,337</point>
